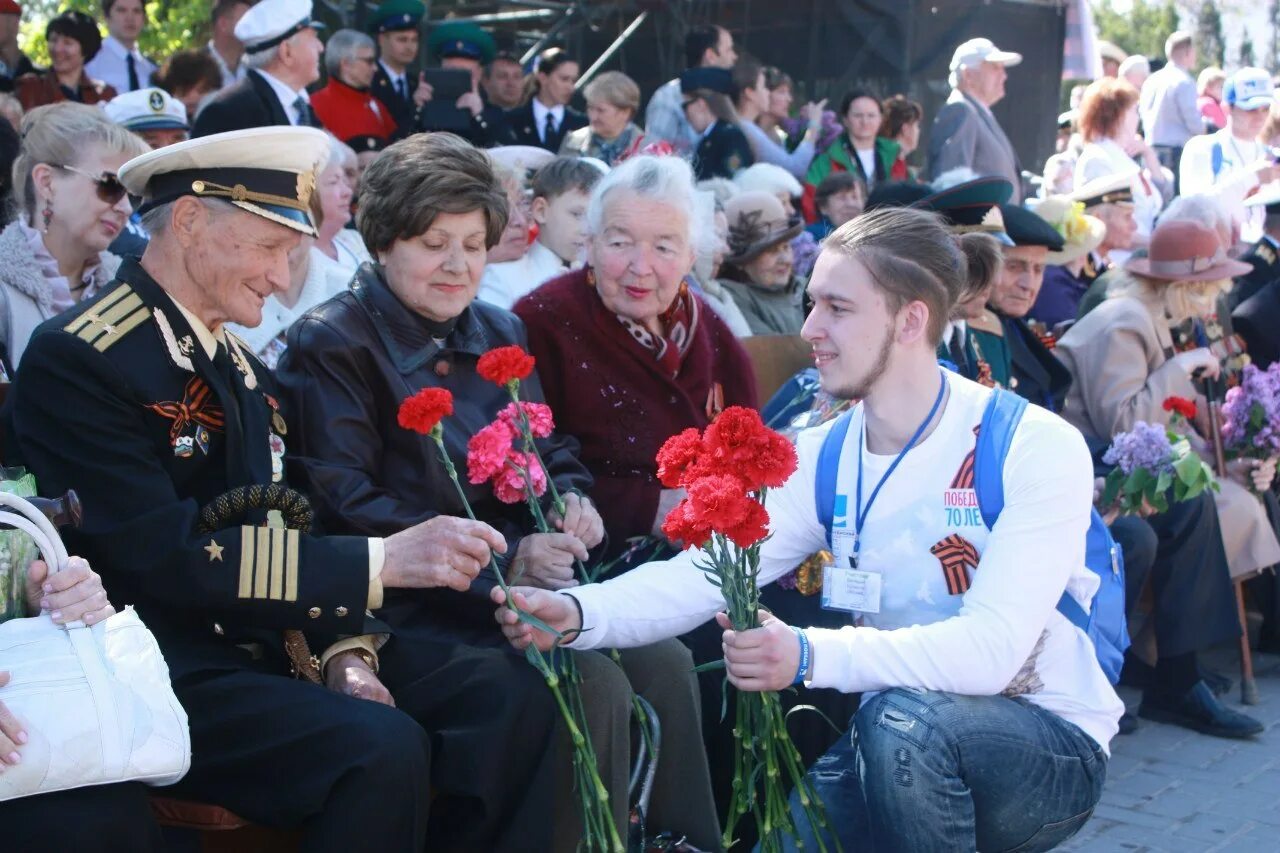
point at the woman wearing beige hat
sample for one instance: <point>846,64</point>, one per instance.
<point>1063,287</point>
<point>760,271</point>
<point>1122,360</point>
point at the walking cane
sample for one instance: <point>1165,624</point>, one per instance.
<point>1248,687</point>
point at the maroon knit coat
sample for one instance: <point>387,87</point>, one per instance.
<point>609,392</point>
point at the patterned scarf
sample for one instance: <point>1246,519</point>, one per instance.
<point>679,323</point>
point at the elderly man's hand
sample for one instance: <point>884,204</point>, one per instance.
<point>764,658</point>
<point>581,519</point>
<point>470,101</point>
<point>555,610</point>
<point>350,675</point>
<point>12,734</point>
<point>545,560</point>
<point>440,552</point>
<point>75,593</point>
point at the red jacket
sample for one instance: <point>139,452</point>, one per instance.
<point>608,392</point>
<point>348,112</point>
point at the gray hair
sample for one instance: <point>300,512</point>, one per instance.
<point>156,220</point>
<point>263,58</point>
<point>665,179</point>
<point>705,241</point>
<point>722,188</point>
<point>766,177</point>
<point>342,46</point>
<point>1177,40</point>
<point>1205,209</point>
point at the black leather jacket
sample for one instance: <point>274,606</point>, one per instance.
<point>349,364</point>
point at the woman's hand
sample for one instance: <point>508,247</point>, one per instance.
<point>349,674</point>
<point>1255,474</point>
<point>75,593</point>
<point>423,92</point>
<point>12,735</point>
<point>545,560</point>
<point>1198,363</point>
<point>580,519</point>
<point>812,113</point>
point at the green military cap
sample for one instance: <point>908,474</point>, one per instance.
<point>972,206</point>
<point>461,39</point>
<point>396,15</point>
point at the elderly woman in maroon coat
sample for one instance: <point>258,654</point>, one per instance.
<point>628,354</point>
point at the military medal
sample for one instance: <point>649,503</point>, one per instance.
<point>277,457</point>
<point>195,410</point>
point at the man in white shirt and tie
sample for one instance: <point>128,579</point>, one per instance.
<point>119,63</point>
<point>227,50</point>
<point>283,52</point>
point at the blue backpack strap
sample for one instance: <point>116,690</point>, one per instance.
<point>824,485</point>
<point>1216,158</point>
<point>999,421</point>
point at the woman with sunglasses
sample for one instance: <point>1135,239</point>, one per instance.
<point>70,206</point>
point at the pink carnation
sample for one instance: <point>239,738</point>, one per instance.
<point>541,422</point>
<point>509,484</point>
<point>487,452</point>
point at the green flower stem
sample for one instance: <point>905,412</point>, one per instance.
<point>596,812</point>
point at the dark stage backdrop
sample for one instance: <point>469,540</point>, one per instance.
<point>890,46</point>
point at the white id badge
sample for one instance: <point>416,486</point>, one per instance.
<point>843,546</point>
<point>850,589</point>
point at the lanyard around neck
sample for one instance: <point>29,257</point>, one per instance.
<point>859,512</point>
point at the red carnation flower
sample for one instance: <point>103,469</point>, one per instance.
<point>739,442</point>
<point>1181,406</point>
<point>505,364</point>
<point>423,411</point>
<point>679,526</point>
<point>719,501</point>
<point>541,422</point>
<point>752,529</point>
<point>487,452</point>
<point>678,454</point>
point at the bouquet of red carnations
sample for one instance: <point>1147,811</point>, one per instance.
<point>726,472</point>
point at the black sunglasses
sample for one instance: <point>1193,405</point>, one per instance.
<point>110,190</point>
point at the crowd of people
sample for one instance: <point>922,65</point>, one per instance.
<point>227,268</point>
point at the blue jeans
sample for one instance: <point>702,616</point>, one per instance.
<point>927,771</point>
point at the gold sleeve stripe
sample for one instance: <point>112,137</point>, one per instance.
<point>261,562</point>
<point>246,562</point>
<point>291,565</point>
<point>96,311</point>
<point>122,328</point>
<point>278,548</point>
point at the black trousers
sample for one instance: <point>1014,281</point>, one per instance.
<point>490,719</point>
<point>1195,605</point>
<point>352,774</point>
<point>103,819</point>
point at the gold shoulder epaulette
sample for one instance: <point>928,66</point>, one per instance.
<point>114,316</point>
<point>1267,253</point>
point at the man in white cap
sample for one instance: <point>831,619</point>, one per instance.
<point>1167,103</point>
<point>282,52</point>
<point>155,115</point>
<point>965,133</point>
<point>1231,163</point>
<point>147,406</point>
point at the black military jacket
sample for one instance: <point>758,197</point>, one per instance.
<point>722,152</point>
<point>1041,378</point>
<point>117,399</point>
<point>401,109</point>
<point>1266,269</point>
<point>525,131</point>
<point>250,103</point>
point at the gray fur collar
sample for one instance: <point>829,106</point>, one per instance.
<point>20,271</point>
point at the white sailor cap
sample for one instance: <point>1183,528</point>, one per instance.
<point>269,22</point>
<point>267,171</point>
<point>147,109</point>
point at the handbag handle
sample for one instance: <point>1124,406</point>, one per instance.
<point>30,520</point>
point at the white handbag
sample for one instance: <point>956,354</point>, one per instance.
<point>95,702</point>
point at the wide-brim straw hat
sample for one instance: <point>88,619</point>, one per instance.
<point>1186,251</point>
<point>1081,233</point>
<point>757,223</point>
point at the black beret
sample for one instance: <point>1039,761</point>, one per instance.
<point>1027,229</point>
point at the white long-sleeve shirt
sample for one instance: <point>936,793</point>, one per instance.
<point>1232,180</point>
<point>1001,635</point>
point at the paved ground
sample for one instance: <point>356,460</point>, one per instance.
<point>1170,789</point>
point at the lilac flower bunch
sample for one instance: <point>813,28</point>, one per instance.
<point>1145,446</point>
<point>1251,414</point>
<point>1153,465</point>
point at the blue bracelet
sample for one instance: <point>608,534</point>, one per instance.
<point>806,653</point>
